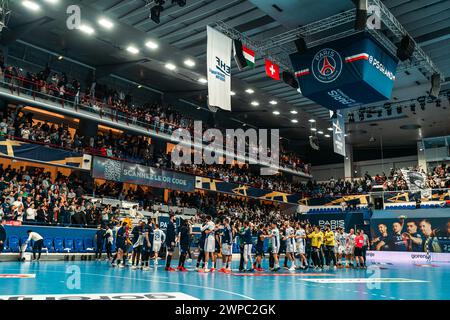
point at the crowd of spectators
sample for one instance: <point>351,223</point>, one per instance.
<point>110,102</point>
<point>437,178</point>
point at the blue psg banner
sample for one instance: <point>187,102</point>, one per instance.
<point>345,73</point>
<point>339,134</point>
<point>120,171</point>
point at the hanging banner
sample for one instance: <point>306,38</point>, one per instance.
<point>28,151</point>
<point>219,69</point>
<point>347,72</point>
<point>120,171</point>
<point>339,134</point>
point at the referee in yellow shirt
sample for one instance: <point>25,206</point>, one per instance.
<point>329,247</point>
<point>316,242</point>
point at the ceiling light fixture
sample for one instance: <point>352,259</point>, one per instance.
<point>255,103</point>
<point>273,102</point>
<point>151,45</point>
<point>294,111</point>
<point>170,66</point>
<point>294,121</point>
<point>106,23</point>
<point>31,5</point>
<point>276,113</point>
<point>312,120</point>
<point>87,29</point>
<point>133,50</point>
<point>189,62</point>
<point>202,80</point>
<point>250,91</point>
<point>232,93</point>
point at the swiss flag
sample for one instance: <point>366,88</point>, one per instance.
<point>272,70</point>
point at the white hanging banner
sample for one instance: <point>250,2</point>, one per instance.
<point>219,69</point>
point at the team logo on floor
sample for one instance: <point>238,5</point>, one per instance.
<point>105,296</point>
<point>17,276</point>
<point>363,280</point>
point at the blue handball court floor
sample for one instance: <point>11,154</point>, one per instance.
<point>34,280</point>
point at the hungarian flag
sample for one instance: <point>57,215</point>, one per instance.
<point>243,56</point>
<point>272,70</point>
<point>249,55</point>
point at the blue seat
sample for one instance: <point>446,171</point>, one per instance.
<point>13,244</point>
<point>48,243</point>
<point>59,245</point>
<point>68,245</point>
<point>79,246</point>
<point>23,240</point>
<point>89,245</point>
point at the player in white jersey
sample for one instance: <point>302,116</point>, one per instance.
<point>350,247</point>
<point>300,236</point>
<point>290,244</point>
<point>158,239</point>
<point>275,238</point>
<point>341,242</point>
<point>210,242</point>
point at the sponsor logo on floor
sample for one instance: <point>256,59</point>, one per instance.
<point>363,280</point>
<point>17,276</point>
<point>105,296</point>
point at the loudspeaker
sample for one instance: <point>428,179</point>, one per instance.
<point>301,46</point>
<point>239,55</point>
<point>435,85</point>
<point>289,79</point>
<point>406,48</point>
<point>361,14</point>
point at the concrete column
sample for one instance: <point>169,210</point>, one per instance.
<point>87,129</point>
<point>421,158</point>
<point>348,162</point>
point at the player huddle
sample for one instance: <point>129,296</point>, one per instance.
<point>304,246</point>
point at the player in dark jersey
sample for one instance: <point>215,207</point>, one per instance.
<point>414,238</point>
<point>260,237</point>
<point>248,244</point>
<point>146,247</point>
<point>183,239</point>
<point>381,242</point>
<point>227,246</point>
<point>121,238</point>
<point>138,241</point>
<point>397,242</point>
<point>99,239</point>
<point>201,249</point>
<point>170,241</point>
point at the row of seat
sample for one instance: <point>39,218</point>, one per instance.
<point>325,210</point>
<point>53,245</point>
<point>413,206</point>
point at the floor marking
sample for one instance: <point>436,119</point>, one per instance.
<point>363,280</point>
<point>17,276</point>
<point>105,296</point>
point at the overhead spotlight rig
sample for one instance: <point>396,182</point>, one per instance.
<point>423,101</point>
<point>156,7</point>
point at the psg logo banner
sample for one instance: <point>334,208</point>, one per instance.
<point>345,73</point>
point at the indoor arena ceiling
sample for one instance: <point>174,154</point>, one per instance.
<point>181,33</point>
